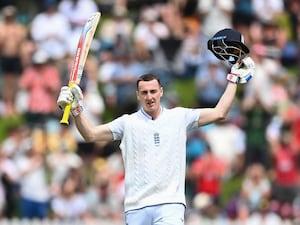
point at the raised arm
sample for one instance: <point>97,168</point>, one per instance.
<point>90,132</point>
<point>241,72</point>
<point>210,115</point>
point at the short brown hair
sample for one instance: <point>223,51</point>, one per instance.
<point>147,77</point>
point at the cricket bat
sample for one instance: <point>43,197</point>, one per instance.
<point>80,57</point>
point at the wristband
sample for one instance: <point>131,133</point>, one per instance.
<point>233,78</point>
<point>77,110</point>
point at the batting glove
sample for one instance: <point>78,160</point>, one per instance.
<point>242,72</point>
<point>72,96</point>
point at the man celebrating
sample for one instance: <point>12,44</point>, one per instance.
<point>153,139</point>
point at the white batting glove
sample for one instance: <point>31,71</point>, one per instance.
<point>242,72</point>
<point>72,96</point>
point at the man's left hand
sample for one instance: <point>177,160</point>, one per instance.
<point>241,72</point>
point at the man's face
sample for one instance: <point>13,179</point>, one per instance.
<point>149,94</point>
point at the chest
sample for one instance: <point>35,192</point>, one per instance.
<point>154,133</point>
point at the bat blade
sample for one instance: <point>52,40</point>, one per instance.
<point>80,57</point>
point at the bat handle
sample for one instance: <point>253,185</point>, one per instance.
<point>65,118</point>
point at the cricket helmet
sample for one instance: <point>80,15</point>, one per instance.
<point>229,45</point>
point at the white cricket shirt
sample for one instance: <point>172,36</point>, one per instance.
<point>154,155</point>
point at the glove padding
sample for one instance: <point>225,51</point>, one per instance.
<point>242,72</point>
<point>72,96</point>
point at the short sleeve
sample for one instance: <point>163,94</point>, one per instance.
<point>117,127</point>
<point>192,117</point>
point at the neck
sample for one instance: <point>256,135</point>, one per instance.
<point>154,114</point>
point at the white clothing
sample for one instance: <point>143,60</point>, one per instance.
<point>150,35</point>
<point>111,29</point>
<point>267,10</point>
<point>70,208</point>
<point>61,163</point>
<point>33,185</point>
<point>261,85</point>
<point>77,15</point>
<point>106,71</point>
<point>267,219</point>
<point>94,102</point>
<point>51,33</point>
<point>231,141</point>
<point>10,146</point>
<point>255,191</point>
<point>154,155</point>
<point>273,129</point>
<point>172,214</point>
<point>217,15</point>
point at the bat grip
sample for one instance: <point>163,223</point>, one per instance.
<point>65,118</point>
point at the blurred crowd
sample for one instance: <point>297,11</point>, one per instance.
<point>48,172</point>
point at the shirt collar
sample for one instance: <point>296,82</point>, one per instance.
<point>147,115</point>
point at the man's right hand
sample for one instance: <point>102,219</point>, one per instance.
<point>72,96</point>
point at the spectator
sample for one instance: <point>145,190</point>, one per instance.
<point>70,205</point>
<point>207,172</point>
<point>243,214</point>
<point>77,13</point>
<point>288,46</point>
<point>196,145</point>
<point>209,82</point>
<point>286,169</point>
<point>12,36</point>
<point>60,162</point>
<point>257,106</point>
<point>231,146</point>
<point>295,124</point>
<point>124,77</point>
<point>34,189</point>
<point>170,52</point>
<point>256,187</point>
<point>193,52</point>
<point>171,16</point>
<point>243,14</point>
<point>107,68</point>
<point>44,27</point>
<point>119,25</point>
<point>149,29</point>
<point>59,137</point>
<point>261,87</point>
<point>161,43</point>
<point>13,143</point>
<point>101,197</point>
<point>9,177</point>
<point>292,8</point>
<point>41,81</point>
<point>205,211</point>
<point>264,215</point>
<point>296,209</point>
<point>215,15</point>
<point>267,10</point>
